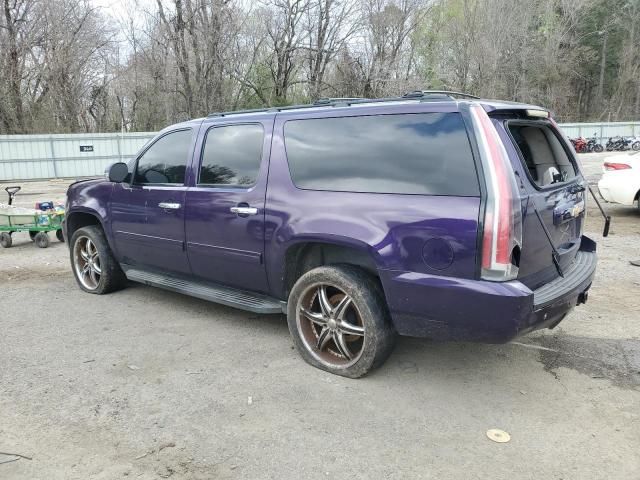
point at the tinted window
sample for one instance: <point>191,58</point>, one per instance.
<point>232,155</point>
<point>426,153</point>
<point>166,160</point>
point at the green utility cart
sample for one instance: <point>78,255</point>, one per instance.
<point>37,223</point>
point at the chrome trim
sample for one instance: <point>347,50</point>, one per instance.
<point>325,330</point>
<point>169,206</point>
<point>244,210</point>
<point>86,262</point>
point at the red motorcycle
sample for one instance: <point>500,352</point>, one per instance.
<point>579,144</point>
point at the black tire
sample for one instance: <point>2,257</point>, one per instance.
<point>32,235</point>
<point>598,148</point>
<point>5,240</point>
<point>42,240</point>
<point>635,146</point>
<point>368,308</point>
<point>111,277</point>
<point>60,235</point>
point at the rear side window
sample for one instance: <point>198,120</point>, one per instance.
<point>232,155</point>
<point>545,158</point>
<point>425,153</point>
<point>165,161</point>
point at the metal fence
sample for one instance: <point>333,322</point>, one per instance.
<point>602,131</point>
<point>26,157</point>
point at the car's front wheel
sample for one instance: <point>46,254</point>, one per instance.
<point>339,320</point>
<point>94,266</point>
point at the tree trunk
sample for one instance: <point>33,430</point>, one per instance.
<point>603,66</point>
<point>15,102</point>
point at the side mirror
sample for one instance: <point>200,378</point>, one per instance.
<point>118,172</point>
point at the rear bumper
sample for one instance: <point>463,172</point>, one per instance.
<point>445,308</point>
<point>615,187</point>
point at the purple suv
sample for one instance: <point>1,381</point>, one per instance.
<point>436,214</point>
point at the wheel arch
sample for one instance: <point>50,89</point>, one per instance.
<point>305,254</point>
<point>79,218</point>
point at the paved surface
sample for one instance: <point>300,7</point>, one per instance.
<point>148,384</point>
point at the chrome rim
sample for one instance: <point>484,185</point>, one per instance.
<point>330,325</point>
<point>87,263</point>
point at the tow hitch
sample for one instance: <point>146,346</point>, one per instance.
<point>582,298</point>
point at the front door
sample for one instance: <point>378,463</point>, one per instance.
<point>148,213</point>
<point>225,209</point>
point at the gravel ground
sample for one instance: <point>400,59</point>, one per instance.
<point>149,384</point>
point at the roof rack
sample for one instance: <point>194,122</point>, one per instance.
<point>421,95</point>
<point>445,93</point>
<point>266,109</point>
<point>335,100</point>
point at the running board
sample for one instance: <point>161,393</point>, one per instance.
<point>252,302</point>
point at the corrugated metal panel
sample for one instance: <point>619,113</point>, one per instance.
<point>24,157</point>
<point>603,131</point>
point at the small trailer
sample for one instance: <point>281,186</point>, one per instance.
<point>37,223</point>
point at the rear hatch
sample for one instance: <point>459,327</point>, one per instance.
<point>551,184</point>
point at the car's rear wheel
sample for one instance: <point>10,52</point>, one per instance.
<point>94,266</point>
<point>339,320</point>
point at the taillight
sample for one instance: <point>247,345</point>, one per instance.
<point>502,234</point>
<point>615,166</point>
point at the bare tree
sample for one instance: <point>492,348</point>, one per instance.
<point>388,28</point>
<point>286,36</point>
<point>331,24</point>
<point>66,65</point>
<point>15,39</point>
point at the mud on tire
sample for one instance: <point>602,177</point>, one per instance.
<point>346,340</point>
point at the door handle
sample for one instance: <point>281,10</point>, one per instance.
<point>244,210</point>
<point>169,205</point>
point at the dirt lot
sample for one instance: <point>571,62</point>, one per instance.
<point>149,384</point>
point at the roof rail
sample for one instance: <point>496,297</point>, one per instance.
<point>318,103</point>
<point>223,114</point>
<point>421,95</point>
<point>332,101</point>
<point>445,93</point>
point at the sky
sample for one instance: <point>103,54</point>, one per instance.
<point>119,8</point>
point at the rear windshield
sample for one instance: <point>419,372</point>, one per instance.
<point>425,153</point>
<point>545,158</point>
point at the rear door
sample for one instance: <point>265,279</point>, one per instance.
<point>225,227</point>
<point>552,186</point>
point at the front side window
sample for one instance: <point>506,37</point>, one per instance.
<point>232,155</point>
<point>165,161</point>
<point>420,153</point>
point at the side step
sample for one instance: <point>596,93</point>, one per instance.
<point>252,302</point>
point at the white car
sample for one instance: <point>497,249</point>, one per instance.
<point>620,182</point>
